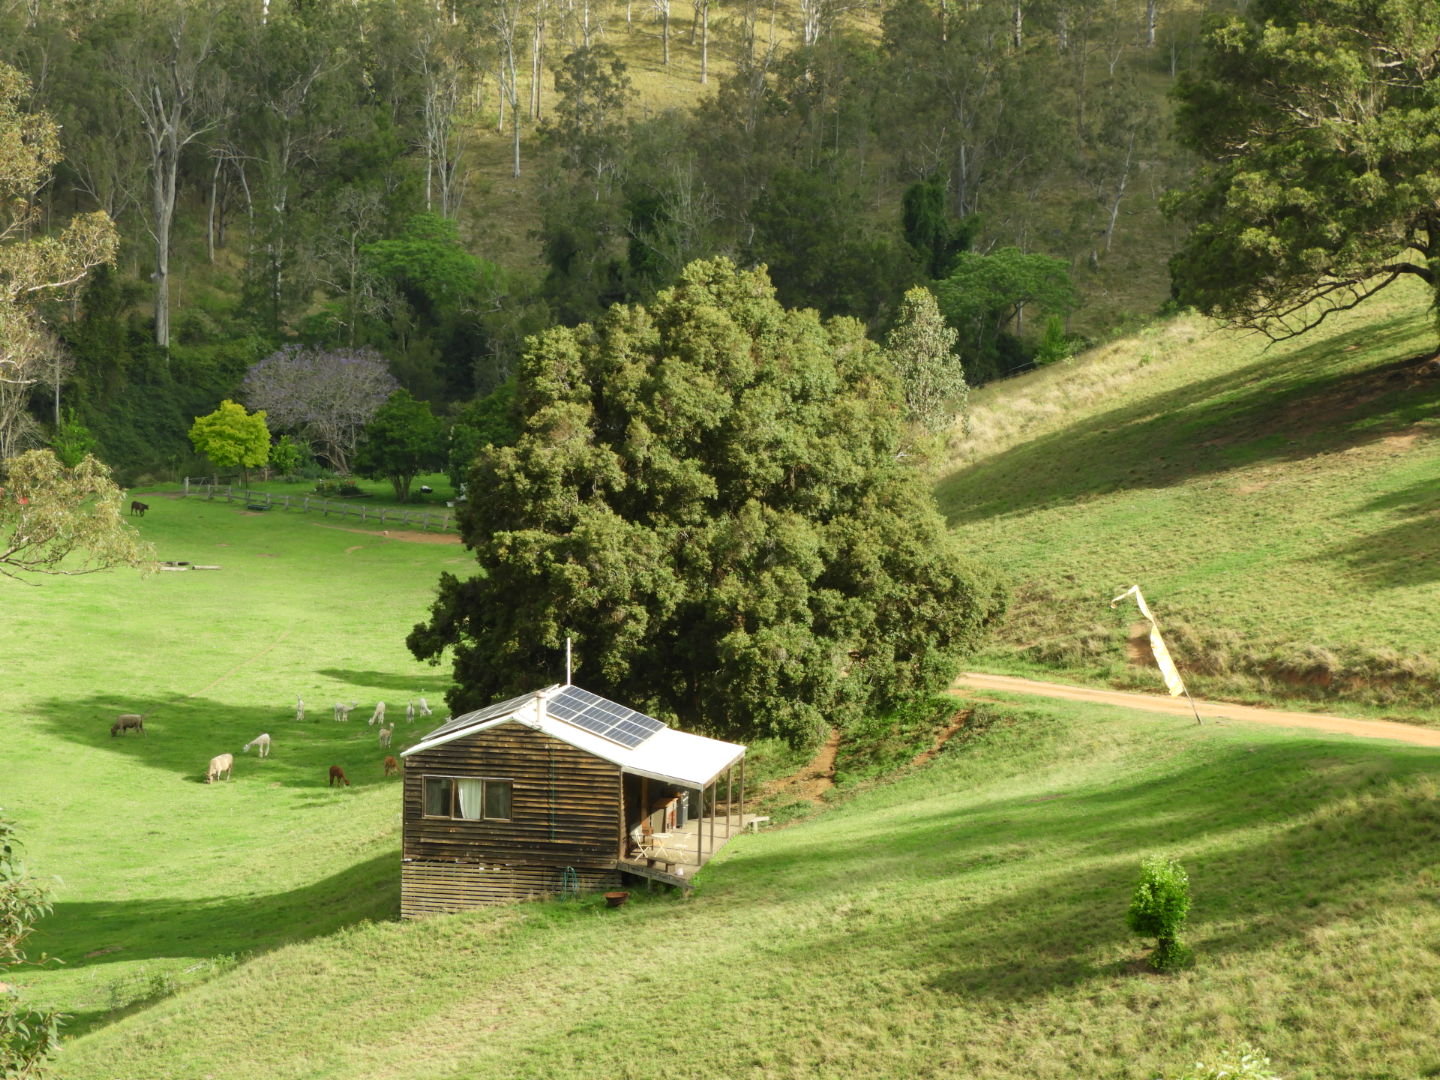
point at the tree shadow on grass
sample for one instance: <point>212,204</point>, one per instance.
<point>1271,410</point>
<point>170,929</point>
<point>1345,825</point>
<point>182,734</point>
<point>1405,553</point>
<point>406,686</point>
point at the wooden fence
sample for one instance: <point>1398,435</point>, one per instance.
<point>441,520</point>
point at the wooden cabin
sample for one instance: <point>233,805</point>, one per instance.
<point>560,791</point>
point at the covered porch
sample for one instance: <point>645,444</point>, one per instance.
<point>674,828</point>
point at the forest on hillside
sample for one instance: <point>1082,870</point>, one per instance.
<point>438,181</point>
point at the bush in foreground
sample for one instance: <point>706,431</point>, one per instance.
<point>1158,909</point>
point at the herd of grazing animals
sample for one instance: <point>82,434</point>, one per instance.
<point>223,764</point>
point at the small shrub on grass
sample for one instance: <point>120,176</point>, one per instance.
<point>1158,909</point>
<point>1232,1063</point>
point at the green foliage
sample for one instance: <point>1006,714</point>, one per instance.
<point>879,743</point>
<point>922,348</point>
<point>27,1037</point>
<point>707,496</point>
<point>72,440</point>
<point>1242,1062</point>
<point>931,230</point>
<point>231,437</point>
<point>986,294</point>
<point>286,456</point>
<point>1319,125</point>
<point>586,122</point>
<point>1158,909</point>
<point>1055,344</point>
<point>490,421</point>
<point>403,440</point>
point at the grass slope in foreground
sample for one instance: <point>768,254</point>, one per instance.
<point>1279,508</point>
<point>965,921</point>
<point>163,878</point>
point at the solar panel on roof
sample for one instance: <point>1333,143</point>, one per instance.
<point>601,717</point>
<point>479,716</point>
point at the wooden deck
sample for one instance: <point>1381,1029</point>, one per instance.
<point>676,857</point>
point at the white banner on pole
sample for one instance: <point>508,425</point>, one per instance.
<point>1167,667</point>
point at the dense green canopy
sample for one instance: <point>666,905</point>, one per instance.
<point>708,495</point>
<point>1319,121</point>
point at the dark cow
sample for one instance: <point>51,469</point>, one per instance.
<point>128,722</point>
<point>337,773</point>
<point>138,508</point>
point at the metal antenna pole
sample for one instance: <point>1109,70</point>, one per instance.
<point>567,661</point>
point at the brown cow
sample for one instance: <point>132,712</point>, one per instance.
<point>128,722</point>
<point>391,765</point>
<point>138,508</point>
<point>337,773</point>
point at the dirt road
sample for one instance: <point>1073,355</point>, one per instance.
<point>1209,710</point>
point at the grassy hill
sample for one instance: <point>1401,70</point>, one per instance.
<point>1277,506</point>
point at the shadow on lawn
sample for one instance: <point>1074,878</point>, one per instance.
<point>1344,824</point>
<point>1403,554</point>
<point>153,929</point>
<point>183,734</point>
<point>1271,410</point>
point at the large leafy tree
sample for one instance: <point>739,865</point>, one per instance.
<point>60,520</point>
<point>231,437</point>
<point>1319,122</point>
<point>404,439</point>
<point>27,1037</point>
<point>708,495</point>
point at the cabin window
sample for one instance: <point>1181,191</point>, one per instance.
<point>467,798</point>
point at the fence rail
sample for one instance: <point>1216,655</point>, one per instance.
<point>440,520</point>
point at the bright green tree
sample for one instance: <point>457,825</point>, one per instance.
<point>707,495</point>
<point>922,348</point>
<point>231,437</point>
<point>1319,125</point>
<point>1158,909</point>
<point>27,1037</point>
<point>402,440</point>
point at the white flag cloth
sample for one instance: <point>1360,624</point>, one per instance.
<point>1168,671</point>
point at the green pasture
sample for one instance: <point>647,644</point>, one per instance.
<point>963,920</point>
<point>1279,508</point>
<point>159,873</point>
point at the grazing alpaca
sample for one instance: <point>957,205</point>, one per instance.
<point>262,741</point>
<point>138,508</point>
<point>299,707</point>
<point>128,722</point>
<point>218,764</point>
<point>409,712</point>
<point>391,765</point>
<point>342,711</point>
<point>424,706</point>
<point>378,716</point>
<point>337,773</point>
<point>385,734</point>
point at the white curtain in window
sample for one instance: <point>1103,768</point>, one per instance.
<point>470,792</point>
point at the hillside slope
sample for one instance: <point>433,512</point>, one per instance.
<point>1278,507</point>
<point>964,921</point>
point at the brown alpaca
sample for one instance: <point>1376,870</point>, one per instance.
<point>391,765</point>
<point>337,773</point>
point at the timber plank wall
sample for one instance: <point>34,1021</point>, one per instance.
<point>565,805</point>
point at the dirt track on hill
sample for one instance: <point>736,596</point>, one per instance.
<point>1209,710</point>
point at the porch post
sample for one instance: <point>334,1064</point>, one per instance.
<point>700,830</point>
<point>714,790</point>
<point>742,792</point>
<point>729,799</point>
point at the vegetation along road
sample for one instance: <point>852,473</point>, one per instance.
<point>1211,710</point>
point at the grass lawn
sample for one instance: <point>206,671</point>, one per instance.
<point>161,873</point>
<point>965,920</point>
<point>1278,508</point>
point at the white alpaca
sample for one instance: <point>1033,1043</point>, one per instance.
<point>385,734</point>
<point>263,742</point>
<point>378,716</point>
<point>424,706</point>
<point>342,710</point>
<point>409,712</point>
<point>299,707</point>
<point>218,764</point>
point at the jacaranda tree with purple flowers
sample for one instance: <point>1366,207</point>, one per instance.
<point>325,396</point>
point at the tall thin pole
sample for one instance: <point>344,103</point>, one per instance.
<point>567,661</point>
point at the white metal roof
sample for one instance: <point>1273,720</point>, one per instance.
<point>670,756</point>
